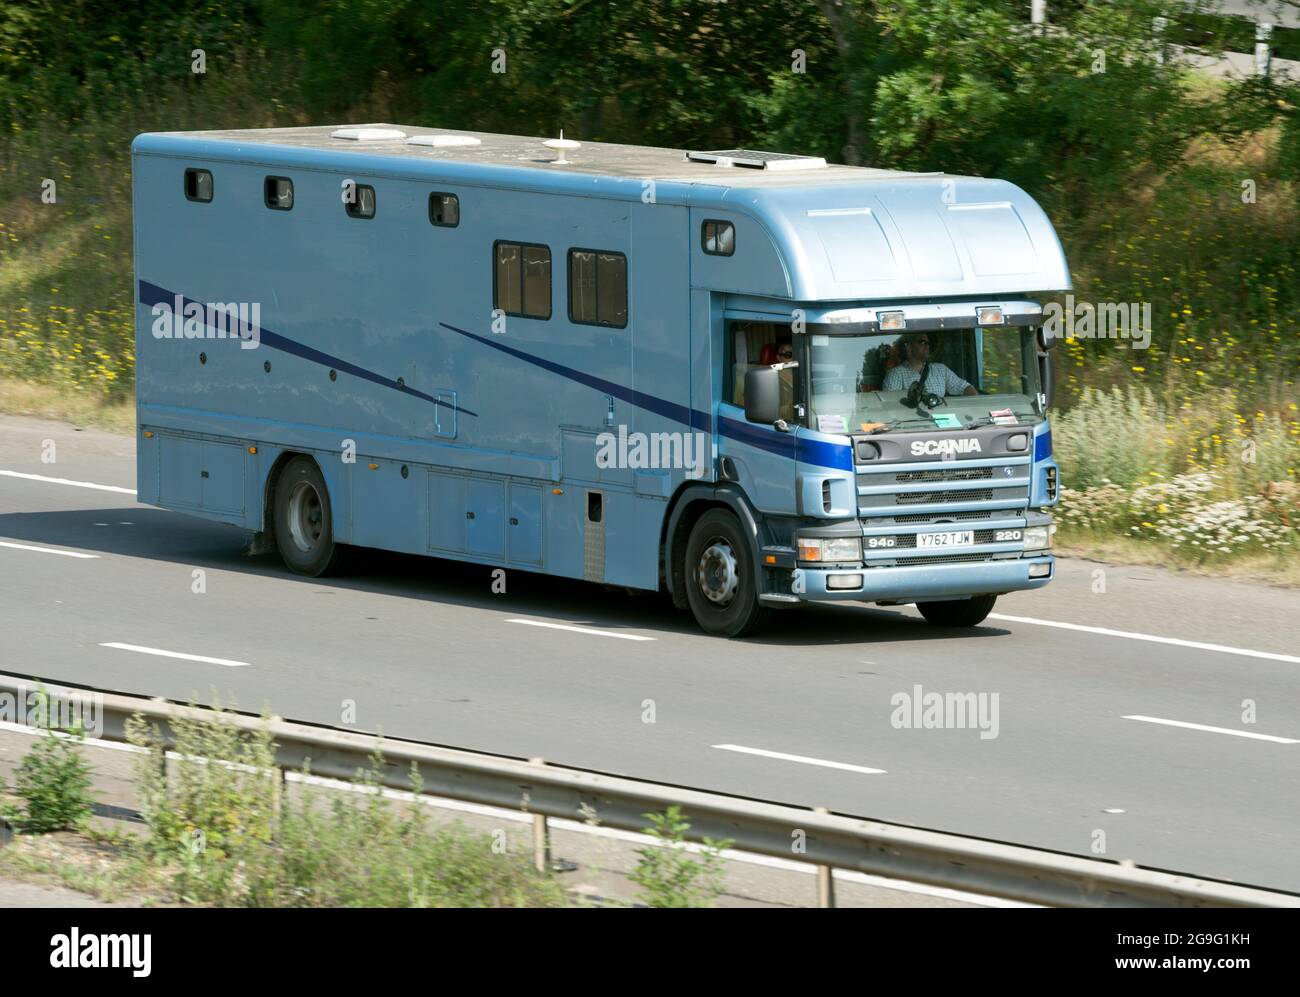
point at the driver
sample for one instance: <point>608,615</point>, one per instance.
<point>916,352</point>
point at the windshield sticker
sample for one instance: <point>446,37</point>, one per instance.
<point>946,420</point>
<point>1003,417</point>
<point>832,424</point>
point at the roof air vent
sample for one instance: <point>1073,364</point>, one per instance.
<point>368,134</point>
<point>444,141</point>
<point>773,162</point>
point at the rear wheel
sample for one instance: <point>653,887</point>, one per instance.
<point>719,572</point>
<point>304,533</point>
<point>958,612</point>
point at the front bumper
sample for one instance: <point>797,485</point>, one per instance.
<point>920,583</point>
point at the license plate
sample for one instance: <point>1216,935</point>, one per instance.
<point>959,538</point>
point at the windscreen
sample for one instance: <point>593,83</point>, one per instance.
<point>974,374</point>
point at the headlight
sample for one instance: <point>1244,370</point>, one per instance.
<point>1037,538</point>
<point>828,550</point>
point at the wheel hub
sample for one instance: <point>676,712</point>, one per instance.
<point>717,573</point>
<point>305,516</point>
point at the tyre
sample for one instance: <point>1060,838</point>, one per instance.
<point>719,573</point>
<point>958,612</point>
<point>304,533</point>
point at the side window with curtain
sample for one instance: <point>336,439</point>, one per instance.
<point>598,287</point>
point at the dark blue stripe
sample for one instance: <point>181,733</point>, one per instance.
<point>801,448</point>
<point>823,453</point>
<point>152,294</point>
<point>660,406</point>
<point>808,451</point>
<point>1043,446</point>
<point>770,440</point>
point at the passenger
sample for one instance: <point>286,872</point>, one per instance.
<point>940,381</point>
<point>784,354</point>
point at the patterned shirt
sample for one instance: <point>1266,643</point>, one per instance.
<point>941,381</point>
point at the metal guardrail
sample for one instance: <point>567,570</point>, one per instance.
<point>830,841</point>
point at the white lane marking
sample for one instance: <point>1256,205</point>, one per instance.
<point>782,756</point>
<point>177,654</point>
<point>1214,730</point>
<point>1199,645</point>
<point>47,550</point>
<point>770,861</point>
<point>581,630</point>
<point>68,481</point>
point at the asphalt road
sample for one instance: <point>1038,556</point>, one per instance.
<point>425,650</point>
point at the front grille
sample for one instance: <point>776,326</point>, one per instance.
<point>934,498</point>
<point>907,562</point>
<point>938,518</point>
<point>948,474</point>
<point>946,559</point>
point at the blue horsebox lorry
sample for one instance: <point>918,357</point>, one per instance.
<point>750,379</point>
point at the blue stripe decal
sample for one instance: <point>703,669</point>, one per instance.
<point>1043,445</point>
<point>660,406</point>
<point>152,294</point>
<point>808,451</point>
<point>823,453</point>
<point>782,444</point>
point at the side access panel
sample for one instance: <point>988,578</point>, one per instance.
<point>525,527</point>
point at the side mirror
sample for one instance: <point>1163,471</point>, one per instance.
<point>1047,378</point>
<point>762,395</point>
<point>1047,339</point>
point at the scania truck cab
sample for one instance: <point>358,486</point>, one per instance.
<point>925,486</point>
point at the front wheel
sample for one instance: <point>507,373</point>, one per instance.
<point>719,570</point>
<point>958,612</point>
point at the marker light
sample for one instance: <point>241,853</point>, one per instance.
<point>890,320</point>
<point>990,315</point>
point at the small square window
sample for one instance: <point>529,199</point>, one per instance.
<point>444,210</point>
<point>279,193</point>
<point>361,203</point>
<point>198,185</point>
<point>718,238</point>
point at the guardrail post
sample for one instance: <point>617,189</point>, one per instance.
<point>541,835</point>
<point>825,877</point>
<point>1263,57</point>
<point>1159,29</point>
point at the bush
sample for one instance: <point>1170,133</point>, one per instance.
<point>221,822</point>
<point>668,874</point>
<point>54,784</point>
<point>1115,436</point>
